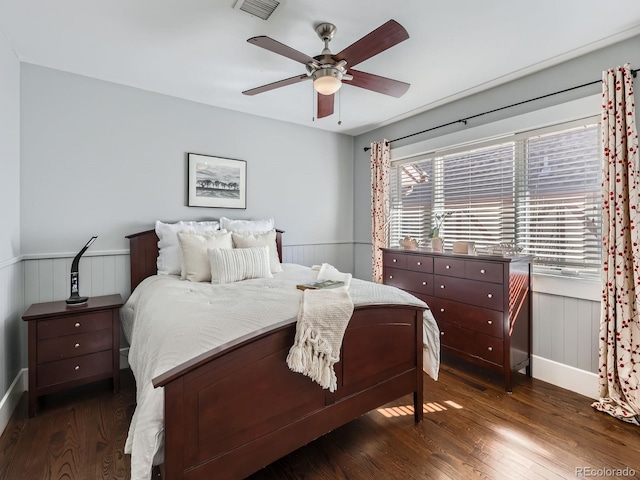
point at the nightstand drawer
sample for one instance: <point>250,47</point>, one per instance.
<point>472,343</point>
<point>481,320</point>
<point>70,369</point>
<point>89,322</point>
<point>69,346</point>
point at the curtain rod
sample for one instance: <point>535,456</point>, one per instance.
<point>464,120</point>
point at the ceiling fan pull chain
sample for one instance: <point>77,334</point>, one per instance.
<point>313,104</point>
<point>339,108</point>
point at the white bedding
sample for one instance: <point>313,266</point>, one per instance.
<point>169,321</point>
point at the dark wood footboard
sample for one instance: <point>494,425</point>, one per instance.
<point>234,410</point>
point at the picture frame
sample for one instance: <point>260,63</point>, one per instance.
<point>216,182</point>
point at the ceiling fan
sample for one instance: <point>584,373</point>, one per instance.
<point>329,71</point>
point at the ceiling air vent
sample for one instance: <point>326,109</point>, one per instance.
<point>259,8</point>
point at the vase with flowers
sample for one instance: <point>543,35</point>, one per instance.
<point>437,242</point>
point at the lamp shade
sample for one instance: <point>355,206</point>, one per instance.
<point>327,81</point>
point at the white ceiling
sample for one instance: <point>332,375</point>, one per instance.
<point>197,49</point>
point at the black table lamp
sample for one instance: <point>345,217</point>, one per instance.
<point>75,297</point>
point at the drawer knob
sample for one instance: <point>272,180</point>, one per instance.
<point>441,334</point>
<point>77,345</point>
<point>442,309</point>
<point>441,286</point>
<point>490,322</point>
<point>77,367</point>
<point>490,349</point>
<point>490,295</point>
<point>424,283</point>
<point>77,324</point>
<point>447,267</point>
<point>390,276</point>
<point>482,270</point>
<point>419,263</point>
<point>395,260</point>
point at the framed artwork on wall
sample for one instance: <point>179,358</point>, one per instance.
<point>217,182</point>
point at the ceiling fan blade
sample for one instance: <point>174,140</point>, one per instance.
<point>376,83</point>
<point>278,84</point>
<point>383,37</point>
<point>281,49</point>
<point>325,105</point>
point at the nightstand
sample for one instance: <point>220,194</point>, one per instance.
<point>72,345</point>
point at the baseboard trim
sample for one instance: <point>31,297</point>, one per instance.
<point>565,376</point>
<point>11,399</point>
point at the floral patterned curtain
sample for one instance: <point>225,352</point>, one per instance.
<point>380,163</point>
<point>620,317</point>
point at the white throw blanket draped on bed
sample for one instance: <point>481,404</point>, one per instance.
<point>322,320</point>
<point>169,321</point>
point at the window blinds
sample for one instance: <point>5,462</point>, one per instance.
<point>539,190</point>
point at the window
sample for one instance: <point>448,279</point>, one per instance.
<point>538,189</point>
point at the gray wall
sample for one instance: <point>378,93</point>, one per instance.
<point>12,343</point>
<point>104,159</point>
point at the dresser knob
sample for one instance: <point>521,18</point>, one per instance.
<point>442,334</point>
<point>424,283</point>
<point>490,295</point>
<point>77,367</point>
<point>395,260</point>
<point>482,270</point>
<point>390,276</point>
<point>77,324</point>
<point>490,322</point>
<point>442,310</point>
<point>490,349</point>
<point>441,286</point>
<point>447,267</point>
<point>419,263</point>
<point>77,345</point>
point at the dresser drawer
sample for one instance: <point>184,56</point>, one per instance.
<point>68,346</point>
<point>479,319</point>
<point>487,295</point>
<point>452,267</point>
<point>408,280</point>
<point>394,260</point>
<point>418,263</point>
<point>73,324</point>
<point>483,271</point>
<point>471,343</point>
<point>70,369</point>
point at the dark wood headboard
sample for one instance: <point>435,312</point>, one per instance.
<point>143,254</point>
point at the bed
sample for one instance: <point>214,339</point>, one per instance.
<point>230,410</point>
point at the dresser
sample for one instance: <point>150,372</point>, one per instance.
<point>482,304</point>
<point>72,345</point>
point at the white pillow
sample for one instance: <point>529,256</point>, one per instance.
<point>247,225</point>
<point>195,261</point>
<point>169,253</point>
<point>268,239</point>
<point>238,264</point>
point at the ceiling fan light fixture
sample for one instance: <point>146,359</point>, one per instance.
<point>327,81</point>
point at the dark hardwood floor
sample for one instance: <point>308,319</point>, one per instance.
<point>472,429</point>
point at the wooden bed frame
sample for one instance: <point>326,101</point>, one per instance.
<point>237,408</point>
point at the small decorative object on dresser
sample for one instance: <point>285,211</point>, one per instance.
<point>482,303</point>
<point>72,345</point>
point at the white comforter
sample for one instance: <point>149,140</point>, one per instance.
<point>169,321</point>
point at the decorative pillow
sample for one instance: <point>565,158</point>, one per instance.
<point>268,239</point>
<point>238,264</point>
<point>169,253</point>
<point>195,261</point>
<point>247,225</point>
